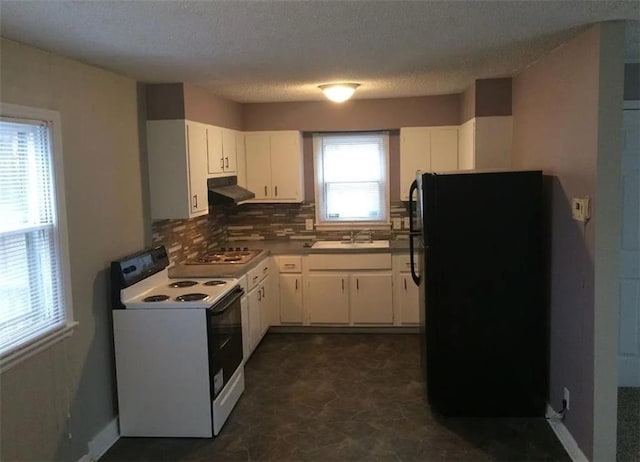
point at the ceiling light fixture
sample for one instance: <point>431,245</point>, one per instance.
<point>339,92</point>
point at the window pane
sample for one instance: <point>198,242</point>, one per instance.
<point>354,201</point>
<point>31,302</point>
<point>26,195</point>
<point>352,172</point>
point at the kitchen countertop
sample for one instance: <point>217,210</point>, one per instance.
<point>272,247</point>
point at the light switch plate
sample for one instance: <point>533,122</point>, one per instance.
<point>580,208</point>
<point>308,224</point>
<point>406,223</point>
<point>397,223</point>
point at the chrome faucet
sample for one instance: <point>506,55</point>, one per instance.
<point>354,238</point>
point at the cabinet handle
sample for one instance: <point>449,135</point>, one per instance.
<point>276,191</point>
<point>226,162</point>
<point>289,265</point>
<point>342,285</point>
<point>263,292</point>
<point>264,270</point>
<point>255,278</point>
<point>259,295</point>
<point>296,285</point>
<point>357,284</point>
<point>221,162</point>
<point>265,191</point>
<point>195,201</point>
<point>405,284</point>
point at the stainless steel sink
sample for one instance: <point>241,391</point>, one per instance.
<point>347,245</point>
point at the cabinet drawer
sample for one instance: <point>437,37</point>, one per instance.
<point>257,274</point>
<point>402,263</point>
<point>345,261</point>
<point>289,263</point>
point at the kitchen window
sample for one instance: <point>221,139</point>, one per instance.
<point>35,300</point>
<point>352,187</point>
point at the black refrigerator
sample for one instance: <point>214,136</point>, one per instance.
<point>478,238</point>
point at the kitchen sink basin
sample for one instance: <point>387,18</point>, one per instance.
<point>347,245</point>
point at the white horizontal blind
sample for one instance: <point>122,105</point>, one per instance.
<point>354,177</point>
<point>31,292</point>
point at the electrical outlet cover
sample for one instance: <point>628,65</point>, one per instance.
<point>308,224</point>
<point>580,208</point>
<point>397,223</point>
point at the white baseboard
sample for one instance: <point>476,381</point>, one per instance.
<point>102,441</point>
<point>565,437</point>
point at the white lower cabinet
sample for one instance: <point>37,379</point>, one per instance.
<point>371,298</point>
<point>291,299</point>
<point>255,322</point>
<point>326,298</point>
<point>346,290</point>
<point>405,293</point>
<point>262,300</point>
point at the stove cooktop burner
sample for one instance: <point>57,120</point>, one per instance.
<point>215,282</point>
<point>156,298</point>
<point>226,256</point>
<point>182,284</point>
<point>191,297</point>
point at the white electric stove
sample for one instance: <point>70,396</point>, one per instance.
<point>178,348</point>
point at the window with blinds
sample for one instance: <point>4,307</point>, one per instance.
<point>32,302</point>
<point>351,179</point>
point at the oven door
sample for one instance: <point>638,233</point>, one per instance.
<point>224,332</point>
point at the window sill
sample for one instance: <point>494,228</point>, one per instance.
<point>16,357</point>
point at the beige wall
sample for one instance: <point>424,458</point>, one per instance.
<point>493,97</point>
<point>558,126</point>
<point>202,106</point>
<point>105,216</point>
<point>371,114</point>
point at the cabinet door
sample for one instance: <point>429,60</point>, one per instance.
<point>414,156</point>
<point>444,149</point>
<point>255,326</point>
<point>371,298</point>
<point>241,161</point>
<point>197,153</point>
<point>285,165</point>
<point>244,311</point>
<point>258,157</point>
<point>265,306</point>
<point>215,161</point>
<point>291,298</point>
<point>229,151</point>
<point>408,299</point>
<point>326,298</point>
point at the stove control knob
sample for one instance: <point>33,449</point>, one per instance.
<point>246,249</point>
<point>237,249</point>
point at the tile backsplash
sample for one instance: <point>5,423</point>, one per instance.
<point>186,239</point>
<point>189,238</point>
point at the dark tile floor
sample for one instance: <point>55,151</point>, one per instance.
<point>628,425</point>
<point>335,397</point>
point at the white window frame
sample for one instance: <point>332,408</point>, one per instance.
<point>48,338</point>
<point>330,225</point>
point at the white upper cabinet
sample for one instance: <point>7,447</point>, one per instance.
<point>241,160</point>
<point>426,149</point>
<point>221,151</point>
<point>485,143</point>
<point>274,166</point>
<point>177,159</point>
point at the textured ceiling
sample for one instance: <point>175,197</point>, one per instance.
<point>259,51</point>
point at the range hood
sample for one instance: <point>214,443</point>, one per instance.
<point>225,190</point>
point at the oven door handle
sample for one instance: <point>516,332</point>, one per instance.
<point>223,305</point>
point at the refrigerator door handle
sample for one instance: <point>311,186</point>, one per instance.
<point>412,232</point>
